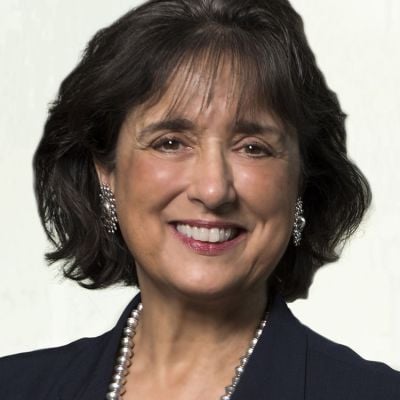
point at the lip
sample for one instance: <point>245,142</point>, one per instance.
<point>208,248</point>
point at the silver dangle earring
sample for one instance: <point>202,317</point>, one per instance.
<point>299,222</point>
<point>108,214</point>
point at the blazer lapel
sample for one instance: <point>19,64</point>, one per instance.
<point>277,367</point>
<point>97,363</point>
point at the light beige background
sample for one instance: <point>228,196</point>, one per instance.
<point>355,301</point>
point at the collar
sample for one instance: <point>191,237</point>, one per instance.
<point>275,370</point>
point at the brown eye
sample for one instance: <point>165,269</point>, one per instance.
<point>168,145</point>
<point>256,150</point>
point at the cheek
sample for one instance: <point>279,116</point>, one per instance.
<point>268,189</point>
<point>144,185</point>
<point>269,195</point>
<point>143,182</point>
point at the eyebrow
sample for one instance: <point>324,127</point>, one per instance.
<point>175,124</point>
<point>183,125</point>
<point>254,128</point>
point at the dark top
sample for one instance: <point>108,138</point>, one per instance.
<point>290,362</point>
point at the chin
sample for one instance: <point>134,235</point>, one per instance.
<point>203,290</point>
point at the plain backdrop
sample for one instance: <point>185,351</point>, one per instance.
<point>355,301</point>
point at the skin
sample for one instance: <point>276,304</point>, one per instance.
<point>198,306</point>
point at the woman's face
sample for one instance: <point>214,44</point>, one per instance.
<point>205,199</point>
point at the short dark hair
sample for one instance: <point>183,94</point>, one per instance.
<point>129,63</point>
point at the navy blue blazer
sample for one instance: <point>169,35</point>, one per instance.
<point>290,362</point>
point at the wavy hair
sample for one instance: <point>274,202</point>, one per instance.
<point>130,63</point>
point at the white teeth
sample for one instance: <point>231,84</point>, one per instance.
<point>195,231</point>
<point>202,235</point>
<point>212,235</point>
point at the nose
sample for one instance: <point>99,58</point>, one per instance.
<point>211,181</point>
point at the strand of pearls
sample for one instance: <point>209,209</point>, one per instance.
<point>118,381</point>
<point>124,359</point>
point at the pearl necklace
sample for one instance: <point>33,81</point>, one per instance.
<point>117,386</point>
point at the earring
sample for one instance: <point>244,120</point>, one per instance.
<point>299,222</point>
<point>108,214</point>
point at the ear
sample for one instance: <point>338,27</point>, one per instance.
<point>104,174</point>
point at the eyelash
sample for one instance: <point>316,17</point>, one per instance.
<point>267,152</point>
<point>161,142</point>
<point>158,144</point>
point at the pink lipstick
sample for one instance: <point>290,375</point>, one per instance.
<point>209,248</point>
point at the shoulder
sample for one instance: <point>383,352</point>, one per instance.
<point>65,372</point>
<point>40,373</point>
<point>341,368</point>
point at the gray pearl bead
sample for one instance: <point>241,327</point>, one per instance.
<point>132,322</point>
<point>114,387</point>
<point>123,360</point>
<point>250,351</point>
<point>235,380</point>
<point>119,379</point>
<point>239,369</point>
<point>128,331</point>
<point>120,369</point>
<point>112,396</point>
<point>126,351</point>
<point>126,341</point>
<point>229,389</point>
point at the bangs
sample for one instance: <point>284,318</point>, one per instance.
<point>256,73</point>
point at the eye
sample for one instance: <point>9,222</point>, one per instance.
<point>168,145</point>
<point>256,150</point>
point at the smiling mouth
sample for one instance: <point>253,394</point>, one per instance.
<point>208,235</point>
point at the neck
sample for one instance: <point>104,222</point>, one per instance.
<point>178,334</point>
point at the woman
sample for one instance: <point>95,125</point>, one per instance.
<point>197,153</point>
